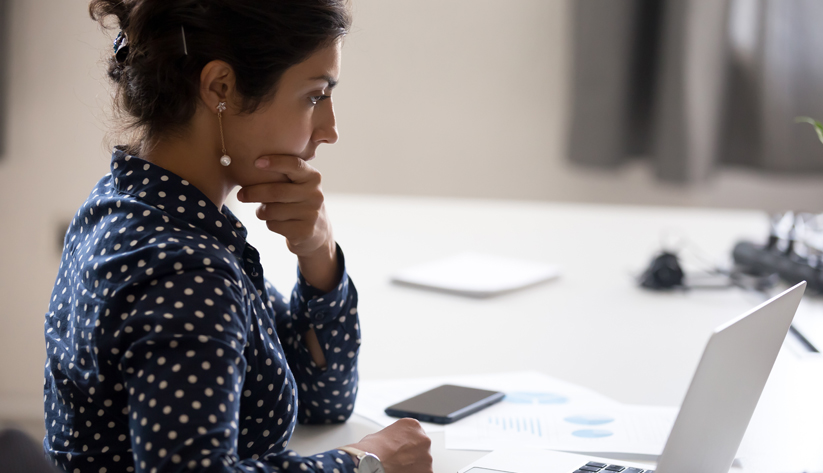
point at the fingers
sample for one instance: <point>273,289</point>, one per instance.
<point>293,209</point>
<point>296,169</point>
<point>299,236</point>
<point>277,212</point>
<point>292,180</point>
<point>287,193</point>
<point>413,453</point>
<point>408,423</point>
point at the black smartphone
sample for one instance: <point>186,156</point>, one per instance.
<point>445,404</point>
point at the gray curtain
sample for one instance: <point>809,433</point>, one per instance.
<point>692,84</point>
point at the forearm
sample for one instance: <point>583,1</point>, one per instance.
<point>321,330</point>
<point>322,272</point>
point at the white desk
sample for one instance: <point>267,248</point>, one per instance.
<point>593,326</point>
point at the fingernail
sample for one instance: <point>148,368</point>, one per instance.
<point>262,162</point>
<point>241,195</point>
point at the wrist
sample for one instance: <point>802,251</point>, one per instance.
<point>320,268</point>
<point>324,253</point>
<point>365,462</point>
<point>354,453</point>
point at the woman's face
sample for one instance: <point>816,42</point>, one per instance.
<point>295,122</point>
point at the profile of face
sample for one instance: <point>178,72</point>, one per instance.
<point>295,121</point>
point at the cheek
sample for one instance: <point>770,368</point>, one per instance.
<point>280,129</point>
<point>265,133</point>
<point>289,136</point>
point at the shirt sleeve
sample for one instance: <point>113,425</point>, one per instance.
<point>183,369</point>
<point>324,395</point>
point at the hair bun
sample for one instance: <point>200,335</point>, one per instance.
<point>100,9</point>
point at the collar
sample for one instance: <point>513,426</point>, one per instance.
<point>176,197</point>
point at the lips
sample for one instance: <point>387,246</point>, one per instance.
<point>309,154</point>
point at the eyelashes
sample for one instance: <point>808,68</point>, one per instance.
<point>318,98</point>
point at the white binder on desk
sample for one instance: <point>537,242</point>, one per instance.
<point>476,275</point>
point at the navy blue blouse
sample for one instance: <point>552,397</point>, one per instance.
<point>168,350</point>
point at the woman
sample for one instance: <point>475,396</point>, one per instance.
<point>167,348</point>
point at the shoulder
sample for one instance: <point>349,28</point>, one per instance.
<point>122,241</point>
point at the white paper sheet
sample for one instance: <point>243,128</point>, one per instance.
<point>476,275</point>
<point>374,396</point>
<point>575,427</point>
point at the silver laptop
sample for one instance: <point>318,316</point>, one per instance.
<point>715,412</point>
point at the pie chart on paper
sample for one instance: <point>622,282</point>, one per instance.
<point>592,433</point>
<point>589,420</point>
<point>535,398</point>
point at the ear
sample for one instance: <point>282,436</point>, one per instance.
<point>217,84</point>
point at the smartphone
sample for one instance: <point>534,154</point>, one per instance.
<point>445,404</point>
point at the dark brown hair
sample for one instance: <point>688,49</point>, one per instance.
<point>157,83</point>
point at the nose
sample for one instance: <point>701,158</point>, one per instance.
<point>326,129</point>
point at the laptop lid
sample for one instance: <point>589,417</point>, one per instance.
<point>726,387</point>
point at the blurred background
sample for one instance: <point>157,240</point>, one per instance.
<point>640,102</point>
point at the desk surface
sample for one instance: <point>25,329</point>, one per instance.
<point>593,326</point>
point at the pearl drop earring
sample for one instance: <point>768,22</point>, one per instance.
<point>225,160</point>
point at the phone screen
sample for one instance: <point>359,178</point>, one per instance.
<point>445,403</point>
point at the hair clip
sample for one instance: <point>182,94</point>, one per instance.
<point>185,46</point>
<point>121,47</point>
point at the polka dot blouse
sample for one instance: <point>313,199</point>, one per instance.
<point>168,351</point>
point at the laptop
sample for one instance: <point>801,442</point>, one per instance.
<point>715,412</point>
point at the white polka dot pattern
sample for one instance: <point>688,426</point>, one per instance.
<point>169,351</point>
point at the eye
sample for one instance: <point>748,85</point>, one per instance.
<point>318,98</point>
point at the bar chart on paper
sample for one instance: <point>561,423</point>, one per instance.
<point>529,426</point>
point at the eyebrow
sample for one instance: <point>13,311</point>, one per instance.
<point>326,78</point>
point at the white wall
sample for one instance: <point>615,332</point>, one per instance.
<point>54,157</point>
<point>450,98</point>
<point>469,98</point>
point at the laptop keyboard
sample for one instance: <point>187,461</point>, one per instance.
<point>593,467</point>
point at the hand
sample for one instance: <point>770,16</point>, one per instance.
<point>402,447</point>
<point>295,208</point>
